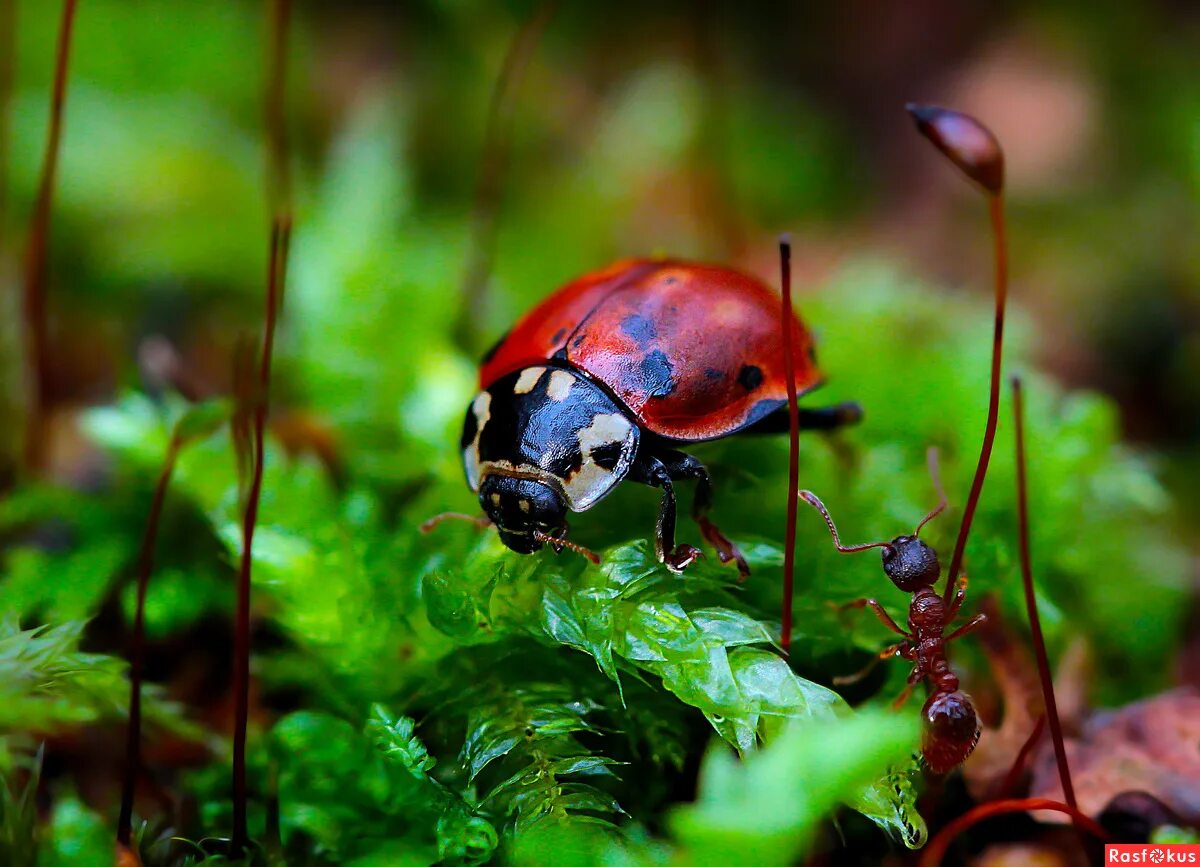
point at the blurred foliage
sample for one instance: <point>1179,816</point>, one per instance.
<point>437,698</point>
<point>47,684</point>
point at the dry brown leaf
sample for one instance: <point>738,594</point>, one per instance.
<point>1150,746</point>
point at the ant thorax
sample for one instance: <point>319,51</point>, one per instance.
<point>927,612</point>
<point>911,564</point>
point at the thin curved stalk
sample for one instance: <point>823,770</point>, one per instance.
<point>34,296</point>
<point>1031,607</point>
<point>137,653</point>
<point>787,319</point>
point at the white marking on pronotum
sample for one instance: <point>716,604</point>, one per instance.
<point>528,379</point>
<point>609,427</point>
<point>592,481</point>
<point>482,407</point>
<point>501,467</point>
<point>560,385</point>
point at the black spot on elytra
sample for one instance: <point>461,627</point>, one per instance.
<point>640,328</point>
<point>750,377</point>
<point>578,341</point>
<point>712,373</point>
<point>812,354</point>
<point>558,335</point>
<point>761,410</point>
<point>657,374</point>
<point>607,455</point>
<point>670,281</point>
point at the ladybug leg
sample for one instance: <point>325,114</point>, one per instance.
<point>683,466</point>
<point>811,418</point>
<point>649,470</point>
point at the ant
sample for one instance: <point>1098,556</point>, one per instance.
<point>951,725</point>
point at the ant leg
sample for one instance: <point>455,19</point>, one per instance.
<point>886,653</point>
<point>682,466</point>
<point>960,595</point>
<point>904,694</point>
<point>977,620</point>
<point>884,617</point>
<point>649,470</point>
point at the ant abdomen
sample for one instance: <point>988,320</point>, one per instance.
<point>951,730</point>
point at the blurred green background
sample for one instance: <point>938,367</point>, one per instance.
<point>695,129</point>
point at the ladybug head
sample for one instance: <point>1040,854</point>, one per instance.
<point>911,564</point>
<point>525,511</point>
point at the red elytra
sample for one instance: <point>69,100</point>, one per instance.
<point>693,350</point>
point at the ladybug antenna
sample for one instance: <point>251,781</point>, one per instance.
<point>814,501</point>
<point>931,458</point>
<point>558,543</point>
<point>433,523</point>
<point>974,149</point>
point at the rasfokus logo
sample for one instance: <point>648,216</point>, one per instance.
<point>1149,853</point>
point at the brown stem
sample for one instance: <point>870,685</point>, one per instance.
<point>145,567</point>
<point>279,201</point>
<point>714,192</point>
<point>34,309</point>
<point>493,163</point>
<point>789,371</point>
<point>1035,623</point>
<point>277,275</point>
<point>996,212</point>
<point>8,62</point>
<point>936,850</point>
<point>8,44</point>
<point>279,181</point>
<point>1009,784</point>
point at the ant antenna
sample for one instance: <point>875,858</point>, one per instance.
<point>814,501</point>
<point>560,543</point>
<point>931,458</point>
<point>974,149</point>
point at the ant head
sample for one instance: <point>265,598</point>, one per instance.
<point>911,564</point>
<point>907,561</point>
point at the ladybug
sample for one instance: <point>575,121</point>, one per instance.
<point>607,378</point>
